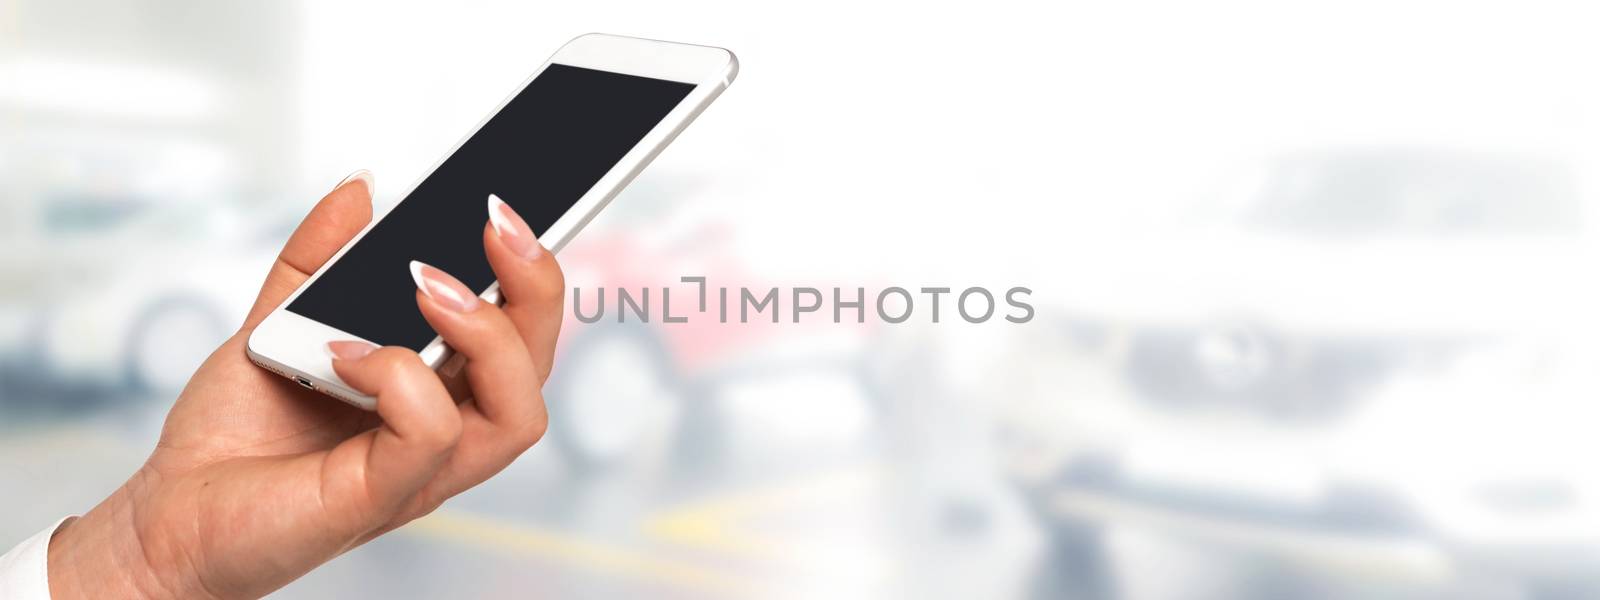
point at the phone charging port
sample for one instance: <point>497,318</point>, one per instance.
<point>305,383</point>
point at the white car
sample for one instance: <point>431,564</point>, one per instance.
<point>136,307</point>
<point>1365,379</point>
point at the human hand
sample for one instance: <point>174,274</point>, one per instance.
<point>256,481</point>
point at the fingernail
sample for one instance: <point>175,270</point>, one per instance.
<point>363,175</point>
<point>348,350</point>
<point>513,230</point>
<point>442,288</point>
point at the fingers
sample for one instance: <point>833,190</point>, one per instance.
<point>505,386</point>
<point>507,353</point>
<point>530,280</point>
<point>507,350</point>
<point>338,217</point>
<point>421,427</point>
<point>506,415</point>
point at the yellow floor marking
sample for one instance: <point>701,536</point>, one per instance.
<point>710,525</point>
<point>714,524</point>
<point>520,538</point>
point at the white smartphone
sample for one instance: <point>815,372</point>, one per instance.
<point>557,150</point>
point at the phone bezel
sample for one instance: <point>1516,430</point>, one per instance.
<point>292,345</point>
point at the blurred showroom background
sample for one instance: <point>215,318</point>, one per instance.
<point>1314,286</point>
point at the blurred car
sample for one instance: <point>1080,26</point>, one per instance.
<point>124,215</point>
<point>130,305</point>
<point>1306,383</point>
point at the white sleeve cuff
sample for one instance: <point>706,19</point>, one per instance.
<point>24,571</point>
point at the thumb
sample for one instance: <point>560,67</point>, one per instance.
<point>337,218</point>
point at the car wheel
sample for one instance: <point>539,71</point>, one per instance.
<point>168,341</point>
<point>615,399</point>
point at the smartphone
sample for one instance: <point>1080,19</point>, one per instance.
<point>557,150</point>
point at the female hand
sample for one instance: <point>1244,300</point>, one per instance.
<point>256,481</point>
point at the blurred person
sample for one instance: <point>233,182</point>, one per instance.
<point>256,481</point>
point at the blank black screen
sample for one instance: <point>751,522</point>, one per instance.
<point>540,154</point>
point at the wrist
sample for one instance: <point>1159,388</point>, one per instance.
<point>100,555</point>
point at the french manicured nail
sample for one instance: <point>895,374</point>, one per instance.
<point>442,288</point>
<point>348,350</point>
<point>362,175</point>
<point>513,231</point>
